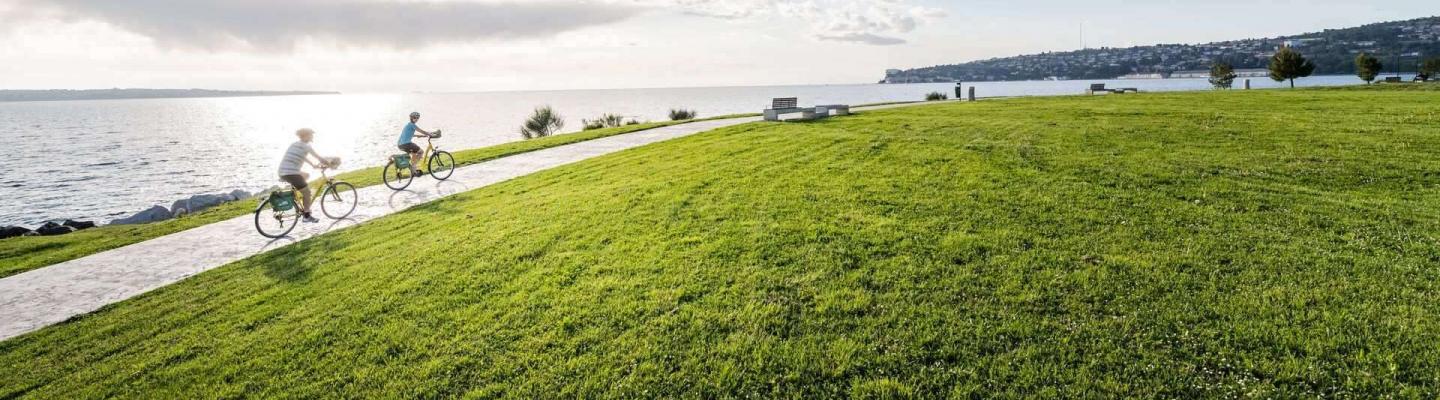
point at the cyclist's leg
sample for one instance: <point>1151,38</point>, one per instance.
<point>414,151</point>
<point>298,182</point>
<point>305,193</point>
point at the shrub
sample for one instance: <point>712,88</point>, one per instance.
<point>544,122</point>
<point>936,96</point>
<point>605,121</point>
<point>681,114</point>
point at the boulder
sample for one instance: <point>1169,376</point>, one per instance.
<point>240,194</point>
<point>53,230</point>
<point>78,225</point>
<point>156,213</point>
<point>197,203</point>
<point>13,231</point>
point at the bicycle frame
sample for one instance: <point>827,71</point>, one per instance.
<point>429,151</point>
<point>319,189</point>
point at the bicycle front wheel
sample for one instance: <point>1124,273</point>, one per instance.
<point>275,224</point>
<point>442,165</point>
<point>396,178</point>
<point>339,200</point>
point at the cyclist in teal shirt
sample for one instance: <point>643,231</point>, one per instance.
<point>407,136</point>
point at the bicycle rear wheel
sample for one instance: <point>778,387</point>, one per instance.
<point>339,200</point>
<point>275,224</point>
<point>396,178</point>
<point>441,165</point>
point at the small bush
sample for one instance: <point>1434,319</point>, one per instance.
<point>681,114</point>
<point>936,96</point>
<point>632,122</point>
<point>605,121</point>
<point>543,122</point>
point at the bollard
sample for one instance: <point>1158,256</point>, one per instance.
<point>1247,84</point>
<point>972,93</point>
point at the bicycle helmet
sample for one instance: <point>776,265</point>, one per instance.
<point>415,115</point>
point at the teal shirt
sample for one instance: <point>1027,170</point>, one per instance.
<point>408,134</point>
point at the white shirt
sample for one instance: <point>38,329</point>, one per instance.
<point>295,158</point>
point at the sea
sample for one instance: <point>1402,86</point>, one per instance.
<point>100,160</point>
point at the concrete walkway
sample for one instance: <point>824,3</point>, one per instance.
<point>45,296</point>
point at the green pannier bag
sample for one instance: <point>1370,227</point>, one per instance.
<point>282,201</point>
<point>402,160</point>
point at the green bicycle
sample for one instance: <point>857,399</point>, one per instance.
<point>278,213</point>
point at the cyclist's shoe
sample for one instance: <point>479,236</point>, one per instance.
<point>309,219</point>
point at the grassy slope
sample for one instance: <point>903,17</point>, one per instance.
<point>23,254</point>
<point>1241,244</point>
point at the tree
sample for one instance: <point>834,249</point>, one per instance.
<point>1289,64</point>
<point>1222,75</point>
<point>1429,68</point>
<point>1367,67</point>
<point>544,122</point>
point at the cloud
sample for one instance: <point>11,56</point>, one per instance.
<point>865,38</point>
<point>280,24</point>
<point>873,22</point>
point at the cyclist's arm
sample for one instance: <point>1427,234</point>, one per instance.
<point>422,132</point>
<point>317,156</point>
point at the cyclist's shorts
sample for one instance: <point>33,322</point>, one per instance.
<point>410,148</point>
<point>295,180</point>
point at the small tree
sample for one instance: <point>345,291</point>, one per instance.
<point>1222,75</point>
<point>543,122</point>
<point>1289,64</point>
<point>1367,67</point>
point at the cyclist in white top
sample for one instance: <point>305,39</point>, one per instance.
<point>300,153</point>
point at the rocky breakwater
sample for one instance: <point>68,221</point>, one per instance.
<point>157,213</point>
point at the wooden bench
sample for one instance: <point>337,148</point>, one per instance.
<point>787,105</point>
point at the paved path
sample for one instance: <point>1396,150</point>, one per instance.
<point>41,297</point>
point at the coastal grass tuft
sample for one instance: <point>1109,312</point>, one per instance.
<point>22,254</point>
<point>1257,244</point>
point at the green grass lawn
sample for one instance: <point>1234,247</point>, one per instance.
<point>26,253</point>
<point>1261,244</point>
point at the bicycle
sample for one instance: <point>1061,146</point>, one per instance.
<point>439,163</point>
<point>278,213</point>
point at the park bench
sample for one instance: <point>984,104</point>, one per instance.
<point>1100,87</point>
<point>787,105</point>
<point>836,109</point>
<point>791,105</point>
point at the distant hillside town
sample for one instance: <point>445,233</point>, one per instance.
<point>1400,46</point>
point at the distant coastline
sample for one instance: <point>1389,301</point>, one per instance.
<point>116,94</point>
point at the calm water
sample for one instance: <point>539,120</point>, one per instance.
<point>106,159</point>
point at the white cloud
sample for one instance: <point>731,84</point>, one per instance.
<point>875,22</point>
<point>282,24</point>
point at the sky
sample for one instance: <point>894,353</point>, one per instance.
<point>365,46</point>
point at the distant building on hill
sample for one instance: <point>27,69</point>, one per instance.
<point>1145,75</point>
<point>1239,73</point>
